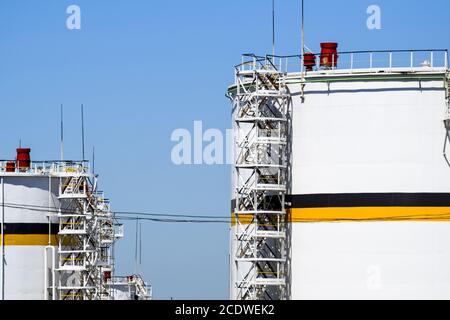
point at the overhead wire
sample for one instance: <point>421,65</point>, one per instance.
<point>124,213</point>
<point>128,215</point>
<point>189,218</point>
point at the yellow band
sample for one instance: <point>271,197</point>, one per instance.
<point>29,240</point>
<point>342,214</point>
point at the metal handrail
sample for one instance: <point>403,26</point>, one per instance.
<point>437,58</point>
<point>47,166</point>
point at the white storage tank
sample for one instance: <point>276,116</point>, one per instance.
<point>26,198</point>
<point>367,181</point>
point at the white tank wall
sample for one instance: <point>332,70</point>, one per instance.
<point>30,191</point>
<point>24,272</point>
<point>387,139</point>
<point>370,137</point>
<point>24,264</point>
<point>371,260</point>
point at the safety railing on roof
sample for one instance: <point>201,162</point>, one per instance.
<point>135,284</point>
<point>370,61</point>
<point>45,167</point>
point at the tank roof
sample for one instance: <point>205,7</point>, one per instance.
<point>55,168</point>
<point>381,65</point>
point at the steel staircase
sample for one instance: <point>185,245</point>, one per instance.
<point>261,104</point>
<point>86,234</point>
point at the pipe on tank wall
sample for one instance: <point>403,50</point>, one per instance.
<point>51,248</point>
<point>3,241</point>
<point>49,209</point>
<point>46,280</point>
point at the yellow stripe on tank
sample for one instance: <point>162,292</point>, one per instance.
<point>361,214</point>
<point>370,214</point>
<point>29,240</point>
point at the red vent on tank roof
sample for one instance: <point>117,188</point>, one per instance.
<point>23,158</point>
<point>10,166</point>
<point>309,61</point>
<point>328,54</point>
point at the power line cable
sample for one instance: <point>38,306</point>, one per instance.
<point>124,213</point>
<point>173,218</point>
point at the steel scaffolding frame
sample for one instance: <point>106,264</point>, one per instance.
<point>85,238</point>
<point>261,128</point>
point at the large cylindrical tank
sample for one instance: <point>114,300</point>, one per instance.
<point>369,175</point>
<point>28,230</point>
<point>369,187</point>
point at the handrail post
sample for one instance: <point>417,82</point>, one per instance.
<point>432,59</point>
<point>301,64</point>
<point>446,59</point>
<point>351,61</point>
<point>390,61</point>
<point>412,59</point>
<point>371,60</point>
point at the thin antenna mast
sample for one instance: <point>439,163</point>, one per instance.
<point>136,247</point>
<point>61,134</point>
<point>93,160</point>
<point>273,28</point>
<point>303,31</point>
<point>140,246</point>
<point>82,131</point>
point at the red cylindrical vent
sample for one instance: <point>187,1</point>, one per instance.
<point>10,166</point>
<point>106,276</point>
<point>328,54</point>
<point>309,61</point>
<point>23,158</point>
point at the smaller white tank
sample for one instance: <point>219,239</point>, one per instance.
<point>27,196</point>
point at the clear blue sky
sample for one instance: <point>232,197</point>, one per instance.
<point>145,68</point>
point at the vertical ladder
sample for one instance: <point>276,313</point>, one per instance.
<point>447,115</point>
<point>447,93</point>
<point>261,128</point>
